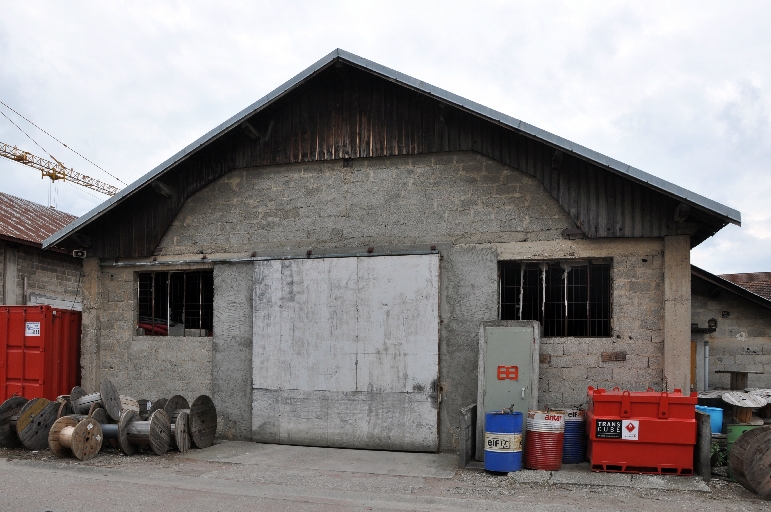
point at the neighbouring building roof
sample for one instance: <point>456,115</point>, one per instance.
<point>718,212</point>
<point>758,283</point>
<point>734,287</point>
<point>28,222</point>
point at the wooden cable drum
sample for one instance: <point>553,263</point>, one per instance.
<point>144,408</point>
<point>35,420</point>
<point>737,457</point>
<point>202,421</point>
<point>180,430</point>
<point>757,463</point>
<point>77,393</point>
<point>743,404</point>
<point>10,409</point>
<point>82,439</point>
<point>99,415</point>
<point>156,432</point>
<point>65,409</point>
<point>159,404</point>
<point>108,396</point>
<point>175,406</point>
<point>126,403</point>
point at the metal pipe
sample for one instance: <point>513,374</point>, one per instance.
<point>263,258</point>
<point>706,365</point>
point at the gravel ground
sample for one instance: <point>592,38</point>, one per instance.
<point>112,480</point>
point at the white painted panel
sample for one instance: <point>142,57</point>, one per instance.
<point>346,352</point>
<point>398,323</point>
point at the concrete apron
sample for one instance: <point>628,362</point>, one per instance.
<point>425,465</point>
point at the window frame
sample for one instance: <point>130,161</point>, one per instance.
<point>204,280</point>
<point>536,295</point>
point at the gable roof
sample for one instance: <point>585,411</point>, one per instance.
<point>723,213</point>
<point>758,283</point>
<point>726,284</point>
<point>27,222</point>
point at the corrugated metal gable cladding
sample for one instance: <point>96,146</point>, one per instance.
<point>345,112</point>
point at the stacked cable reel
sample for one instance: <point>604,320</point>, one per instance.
<point>81,424</point>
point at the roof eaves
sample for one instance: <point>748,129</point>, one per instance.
<point>201,141</point>
<point>728,285</point>
<point>728,214</point>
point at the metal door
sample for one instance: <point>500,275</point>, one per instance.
<point>508,370</point>
<point>346,352</point>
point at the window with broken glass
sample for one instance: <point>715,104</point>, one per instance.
<point>175,303</point>
<point>569,298</point>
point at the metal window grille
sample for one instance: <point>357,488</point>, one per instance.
<point>569,298</point>
<point>176,303</point>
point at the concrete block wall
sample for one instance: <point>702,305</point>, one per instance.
<point>742,341</point>
<point>148,367</point>
<point>475,210</point>
<point>569,365</point>
<point>48,273</point>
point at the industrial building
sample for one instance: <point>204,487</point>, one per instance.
<point>321,263</point>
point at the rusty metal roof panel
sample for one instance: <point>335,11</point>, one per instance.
<point>29,222</point>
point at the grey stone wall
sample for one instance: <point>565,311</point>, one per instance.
<point>48,273</point>
<point>475,210</point>
<point>51,274</point>
<point>232,350</point>
<point>570,365</point>
<point>742,341</point>
<point>148,367</point>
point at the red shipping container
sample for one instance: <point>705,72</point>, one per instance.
<point>641,432</point>
<point>39,351</point>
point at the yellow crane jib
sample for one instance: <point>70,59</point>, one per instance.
<point>55,170</point>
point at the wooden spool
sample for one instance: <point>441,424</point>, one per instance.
<point>99,415</point>
<point>202,422</point>
<point>144,407</point>
<point>757,463</point>
<point>159,404</point>
<point>10,409</point>
<point>743,404</point>
<point>180,438</point>
<point>107,396</point>
<point>65,409</point>
<point>35,420</point>
<point>77,393</point>
<point>155,433</point>
<point>126,403</point>
<point>82,439</point>
<point>738,455</point>
<point>180,430</point>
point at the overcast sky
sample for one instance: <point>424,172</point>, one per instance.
<point>680,90</point>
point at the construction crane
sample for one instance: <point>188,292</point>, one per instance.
<point>55,170</point>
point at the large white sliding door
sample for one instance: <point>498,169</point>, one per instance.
<point>346,352</point>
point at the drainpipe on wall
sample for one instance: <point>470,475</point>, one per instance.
<point>706,364</point>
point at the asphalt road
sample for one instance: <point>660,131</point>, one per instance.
<point>39,482</point>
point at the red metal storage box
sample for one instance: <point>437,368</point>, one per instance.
<point>39,351</point>
<point>641,432</point>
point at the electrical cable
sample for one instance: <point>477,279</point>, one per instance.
<point>62,143</point>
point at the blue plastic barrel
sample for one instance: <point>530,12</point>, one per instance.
<point>574,447</point>
<point>503,441</point>
<point>715,417</point>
